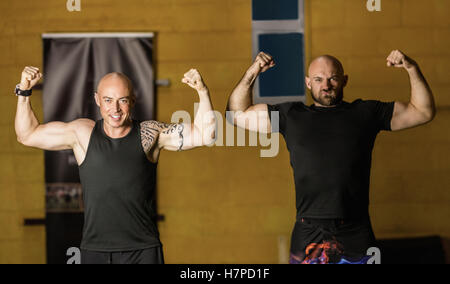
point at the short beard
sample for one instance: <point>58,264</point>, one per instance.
<point>332,101</point>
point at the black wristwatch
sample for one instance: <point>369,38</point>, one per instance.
<point>20,92</point>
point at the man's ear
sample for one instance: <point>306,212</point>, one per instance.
<point>133,100</point>
<point>97,99</point>
<point>345,80</point>
<point>308,82</point>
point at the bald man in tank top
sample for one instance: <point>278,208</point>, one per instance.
<point>117,158</point>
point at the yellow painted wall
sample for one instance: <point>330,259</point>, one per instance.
<point>226,204</point>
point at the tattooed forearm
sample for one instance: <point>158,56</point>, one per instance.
<point>175,129</point>
<point>180,132</point>
<point>150,131</point>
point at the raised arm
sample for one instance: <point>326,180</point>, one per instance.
<point>246,114</point>
<point>421,108</point>
<point>179,137</point>
<point>49,136</point>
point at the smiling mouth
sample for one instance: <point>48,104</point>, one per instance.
<point>116,117</point>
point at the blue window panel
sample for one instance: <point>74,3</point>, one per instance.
<point>266,10</point>
<point>287,77</point>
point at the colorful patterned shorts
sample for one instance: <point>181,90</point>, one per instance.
<point>331,241</point>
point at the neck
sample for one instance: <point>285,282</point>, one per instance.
<point>320,105</point>
<point>117,132</point>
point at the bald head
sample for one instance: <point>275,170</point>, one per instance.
<point>326,61</point>
<point>118,81</point>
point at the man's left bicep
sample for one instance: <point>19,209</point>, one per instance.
<point>405,116</point>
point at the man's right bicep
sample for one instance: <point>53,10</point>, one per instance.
<point>52,136</point>
<point>255,118</point>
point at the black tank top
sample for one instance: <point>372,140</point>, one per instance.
<point>118,184</point>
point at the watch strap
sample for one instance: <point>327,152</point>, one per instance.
<point>25,93</point>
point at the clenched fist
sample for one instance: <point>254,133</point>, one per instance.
<point>194,80</point>
<point>263,62</point>
<point>30,77</point>
<point>399,60</point>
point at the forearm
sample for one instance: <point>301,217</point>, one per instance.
<point>241,97</point>
<point>25,121</point>
<point>205,120</point>
<point>421,94</point>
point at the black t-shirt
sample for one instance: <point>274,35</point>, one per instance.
<point>331,152</point>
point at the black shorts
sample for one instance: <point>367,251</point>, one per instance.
<point>145,256</point>
<point>331,241</point>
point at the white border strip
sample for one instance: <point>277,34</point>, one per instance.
<point>275,27</point>
<point>98,35</point>
<point>275,99</point>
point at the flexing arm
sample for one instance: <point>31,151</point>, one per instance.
<point>420,109</point>
<point>247,115</point>
<point>178,137</point>
<point>50,136</point>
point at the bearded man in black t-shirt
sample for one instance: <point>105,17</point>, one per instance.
<point>330,144</point>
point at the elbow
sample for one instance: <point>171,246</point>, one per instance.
<point>430,115</point>
<point>23,140</point>
<point>233,116</point>
<point>20,139</point>
<point>210,137</point>
<point>424,114</point>
<point>230,118</point>
<point>230,115</point>
<point>425,118</point>
<point>25,137</point>
<point>228,107</point>
<point>204,136</point>
<point>433,112</point>
<point>208,142</point>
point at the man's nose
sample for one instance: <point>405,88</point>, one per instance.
<point>117,106</point>
<point>327,85</point>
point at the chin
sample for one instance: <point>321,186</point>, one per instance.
<point>333,100</point>
<point>326,101</point>
<point>329,100</point>
<point>114,123</point>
